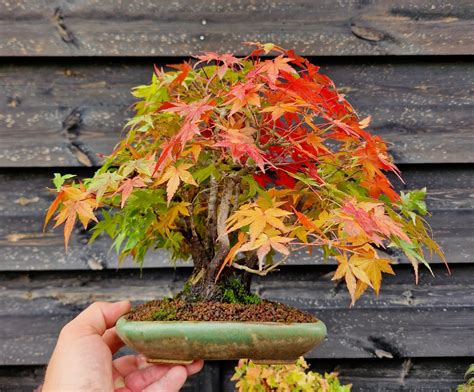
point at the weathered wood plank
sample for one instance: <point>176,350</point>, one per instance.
<point>431,319</point>
<point>179,28</point>
<point>27,378</point>
<point>371,375</point>
<point>65,115</point>
<point>24,199</point>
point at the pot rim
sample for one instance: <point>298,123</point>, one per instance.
<point>123,320</point>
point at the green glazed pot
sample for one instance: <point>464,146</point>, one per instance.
<point>183,341</point>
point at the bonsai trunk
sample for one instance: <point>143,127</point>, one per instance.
<point>205,284</point>
<point>209,250</point>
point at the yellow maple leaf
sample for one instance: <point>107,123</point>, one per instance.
<point>373,267</point>
<point>352,273</point>
<point>194,150</point>
<point>173,175</point>
<point>257,219</point>
<point>265,243</point>
<point>167,221</point>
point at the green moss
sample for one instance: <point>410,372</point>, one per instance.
<point>166,312</point>
<point>234,292</point>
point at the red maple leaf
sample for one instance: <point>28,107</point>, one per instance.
<point>241,144</point>
<point>184,67</point>
<point>227,61</point>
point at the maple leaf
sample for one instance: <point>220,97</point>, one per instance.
<point>64,193</point>
<point>373,156</point>
<point>243,94</point>
<point>265,243</point>
<point>363,269</point>
<point>173,175</point>
<point>257,219</point>
<point>191,111</point>
<point>262,48</point>
<point>272,68</point>
<point>104,182</point>
<point>185,68</point>
<point>387,225</point>
<point>350,272</point>
<point>307,222</point>
<point>52,208</point>
<point>358,222</point>
<point>281,107</point>
<point>127,186</point>
<point>167,221</point>
<point>72,209</point>
<point>195,149</point>
<point>373,268</point>
<point>240,143</point>
<point>365,122</point>
<point>227,60</point>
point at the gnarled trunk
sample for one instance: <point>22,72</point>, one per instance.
<point>210,249</point>
<point>203,285</point>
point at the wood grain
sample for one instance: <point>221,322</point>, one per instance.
<point>65,115</point>
<point>398,323</point>
<point>28,378</point>
<point>24,198</point>
<point>179,28</point>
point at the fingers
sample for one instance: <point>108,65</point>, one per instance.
<point>112,340</point>
<point>195,367</point>
<point>98,317</point>
<point>125,365</point>
<point>172,381</point>
<point>142,378</point>
<point>136,374</point>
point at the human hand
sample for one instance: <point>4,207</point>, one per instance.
<point>82,359</point>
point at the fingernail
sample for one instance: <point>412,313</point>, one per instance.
<point>119,383</point>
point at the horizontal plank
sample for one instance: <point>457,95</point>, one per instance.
<point>24,199</point>
<point>432,319</point>
<point>368,375</point>
<point>375,375</point>
<point>28,378</point>
<point>65,115</point>
<point>179,28</point>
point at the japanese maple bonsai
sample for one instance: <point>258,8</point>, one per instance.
<point>235,163</point>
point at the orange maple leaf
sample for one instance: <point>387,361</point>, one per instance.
<point>173,175</point>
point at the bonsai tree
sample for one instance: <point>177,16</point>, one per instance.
<point>235,163</point>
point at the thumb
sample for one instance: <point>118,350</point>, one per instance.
<point>98,317</point>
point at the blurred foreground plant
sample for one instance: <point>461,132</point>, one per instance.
<point>251,377</point>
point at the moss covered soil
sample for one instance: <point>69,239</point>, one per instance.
<point>179,310</point>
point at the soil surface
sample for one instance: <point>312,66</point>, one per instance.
<point>217,311</point>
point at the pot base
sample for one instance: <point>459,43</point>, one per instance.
<point>184,341</point>
<point>169,361</point>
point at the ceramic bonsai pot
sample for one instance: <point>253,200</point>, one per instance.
<point>183,341</point>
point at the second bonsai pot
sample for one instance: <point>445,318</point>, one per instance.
<point>184,341</point>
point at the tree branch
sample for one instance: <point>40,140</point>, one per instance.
<point>211,216</point>
<point>223,213</point>
<point>222,236</point>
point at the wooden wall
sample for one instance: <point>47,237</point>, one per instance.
<point>66,69</point>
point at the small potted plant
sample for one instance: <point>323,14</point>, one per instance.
<point>236,163</point>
